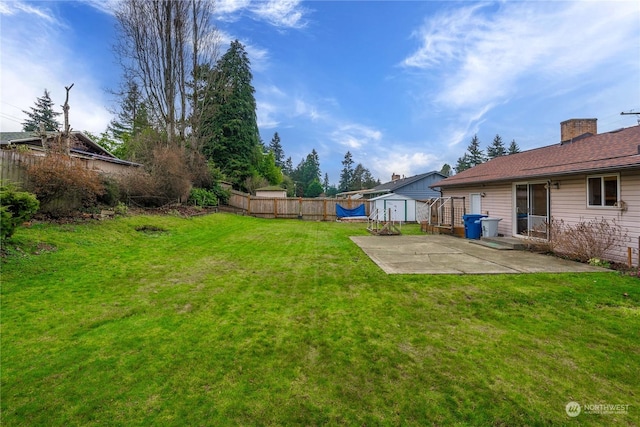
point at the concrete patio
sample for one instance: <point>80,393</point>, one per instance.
<point>441,254</point>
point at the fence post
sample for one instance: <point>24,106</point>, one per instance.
<point>248,204</point>
<point>324,209</point>
<point>275,208</point>
<point>453,215</point>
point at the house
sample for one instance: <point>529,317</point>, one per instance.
<point>272,191</point>
<point>586,176</point>
<point>81,147</point>
<point>418,187</point>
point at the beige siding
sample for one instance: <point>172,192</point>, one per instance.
<point>569,203</point>
<point>497,202</point>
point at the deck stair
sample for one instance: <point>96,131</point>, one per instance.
<point>501,243</point>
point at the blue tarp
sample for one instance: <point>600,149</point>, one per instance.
<point>345,213</point>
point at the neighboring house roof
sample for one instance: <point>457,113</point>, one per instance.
<point>393,186</point>
<point>82,145</point>
<point>611,151</point>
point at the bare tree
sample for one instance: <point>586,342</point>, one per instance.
<point>161,44</point>
<point>66,135</point>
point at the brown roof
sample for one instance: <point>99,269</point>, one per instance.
<point>614,150</point>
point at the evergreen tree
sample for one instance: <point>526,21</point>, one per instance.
<point>306,172</point>
<point>278,152</point>
<point>463,163</point>
<point>325,183</point>
<point>41,113</point>
<point>133,116</point>
<point>314,189</point>
<point>231,137</point>
<point>288,167</point>
<point>311,170</point>
<point>446,170</point>
<point>496,149</point>
<point>362,179</point>
<point>513,148</point>
<point>476,155</point>
<point>346,176</point>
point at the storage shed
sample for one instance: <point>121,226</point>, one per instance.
<point>394,207</point>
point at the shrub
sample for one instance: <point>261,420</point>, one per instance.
<point>16,207</point>
<point>111,195</point>
<point>165,179</point>
<point>203,197</point>
<point>64,180</point>
<point>585,240</point>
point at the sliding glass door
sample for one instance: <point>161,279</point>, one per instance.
<point>531,216</point>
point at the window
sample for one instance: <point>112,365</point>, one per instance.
<point>602,190</point>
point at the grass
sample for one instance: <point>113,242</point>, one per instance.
<point>229,320</point>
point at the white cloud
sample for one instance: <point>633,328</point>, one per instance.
<point>489,58</point>
<point>44,61</point>
<point>279,13</point>
<point>17,7</point>
<point>403,162</point>
<point>354,136</point>
<point>494,58</point>
<point>225,7</point>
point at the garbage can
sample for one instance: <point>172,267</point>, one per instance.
<point>472,226</point>
<point>490,226</point>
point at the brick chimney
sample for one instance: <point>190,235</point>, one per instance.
<point>573,128</point>
<point>395,177</point>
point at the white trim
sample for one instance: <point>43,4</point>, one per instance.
<point>603,195</point>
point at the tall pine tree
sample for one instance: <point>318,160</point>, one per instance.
<point>41,113</point>
<point>346,175</point>
<point>278,152</point>
<point>496,149</point>
<point>230,136</point>
<point>476,155</point>
<point>513,147</point>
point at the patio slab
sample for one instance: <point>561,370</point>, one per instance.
<point>441,254</point>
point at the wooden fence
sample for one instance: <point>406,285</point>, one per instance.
<point>13,166</point>
<point>316,209</point>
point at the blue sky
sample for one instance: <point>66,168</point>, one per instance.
<point>402,85</point>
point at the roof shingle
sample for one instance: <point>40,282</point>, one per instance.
<point>606,151</point>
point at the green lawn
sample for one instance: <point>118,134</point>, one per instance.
<point>230,320</point>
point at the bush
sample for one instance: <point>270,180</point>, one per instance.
<point>16,207</point>
<point>203,197</point>
<point>585,241</point>
<point>111,195</point>
<point>165,179</point>
<point>64,180</point>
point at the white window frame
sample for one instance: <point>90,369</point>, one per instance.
<point>603,204</point>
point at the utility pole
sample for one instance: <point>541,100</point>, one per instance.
<point>630,113</point>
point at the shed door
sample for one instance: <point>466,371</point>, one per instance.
<point>397,209</point>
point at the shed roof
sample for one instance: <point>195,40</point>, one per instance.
<point>615,150</point>
<point>392,196</point>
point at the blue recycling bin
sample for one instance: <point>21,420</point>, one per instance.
<point>472,225</point>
